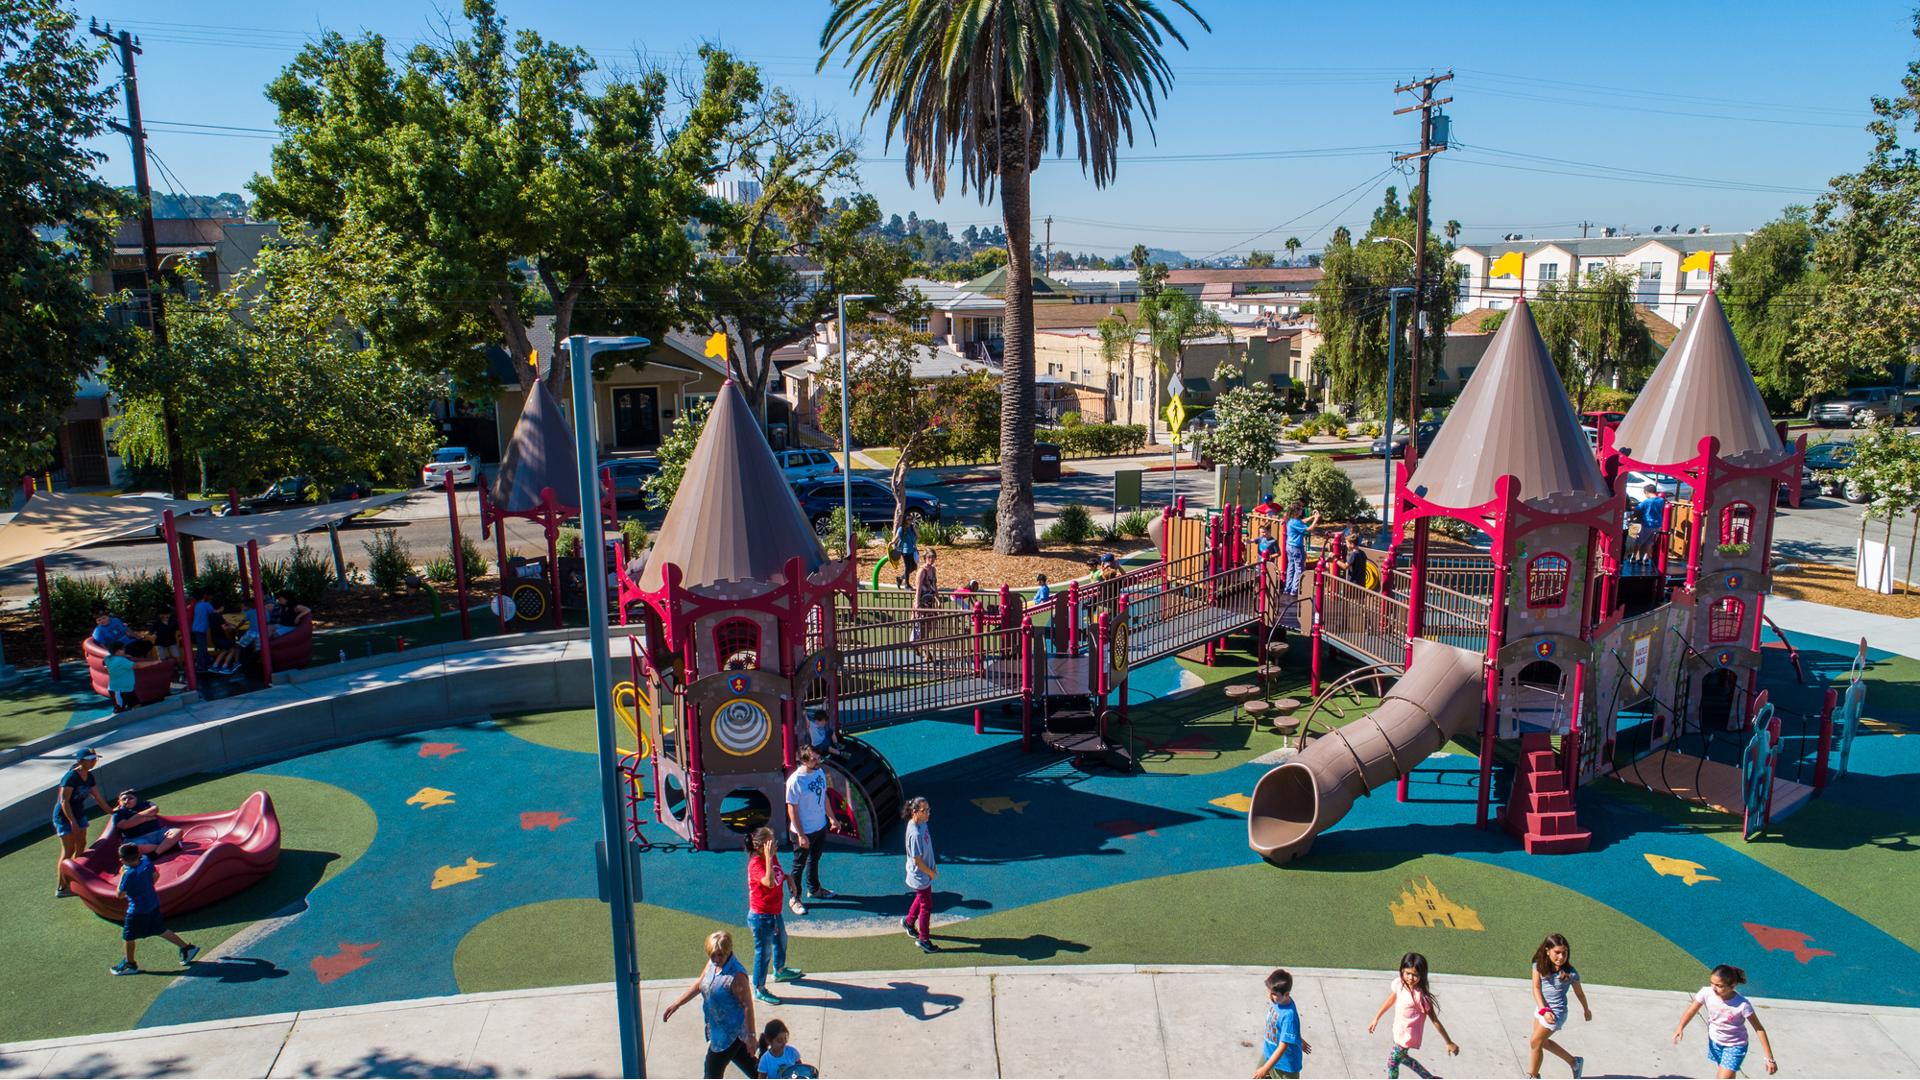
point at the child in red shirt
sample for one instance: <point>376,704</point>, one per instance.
<point>766,892</point>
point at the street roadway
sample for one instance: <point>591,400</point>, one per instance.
<point>1824,530</point>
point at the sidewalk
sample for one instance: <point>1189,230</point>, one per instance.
<point>1027,1021</point>
<point>1887,633</point>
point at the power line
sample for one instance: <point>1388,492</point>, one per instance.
<point>1374,179</point>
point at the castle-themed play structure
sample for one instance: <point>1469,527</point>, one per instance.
<point>1558,630</point>
<point>1584,646</point>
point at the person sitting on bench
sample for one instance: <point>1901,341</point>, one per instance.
<point>137,822</point>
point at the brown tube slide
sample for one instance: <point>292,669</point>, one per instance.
<point>1439,697</point>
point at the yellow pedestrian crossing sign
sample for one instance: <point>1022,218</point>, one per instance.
<point>1176,415</point>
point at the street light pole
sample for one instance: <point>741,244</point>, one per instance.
<point>846,423</point>
<point>618,867</point>
<point>1394,296</point>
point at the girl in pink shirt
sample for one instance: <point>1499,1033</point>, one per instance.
<point>1413,1005</point>
<point>1729,1014</point>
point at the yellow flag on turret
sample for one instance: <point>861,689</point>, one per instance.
<point>717,344</point>
<point>1509,265</point>
<point>1699,260</point>
<point>533,359</point>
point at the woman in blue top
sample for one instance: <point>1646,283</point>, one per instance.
<point>727,1007</point>
<point>70,813</point>
<point>1298,528</point>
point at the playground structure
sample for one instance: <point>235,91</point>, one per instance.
<point>1571,630</point>
<point>218,855</point>
<point>749,625</point>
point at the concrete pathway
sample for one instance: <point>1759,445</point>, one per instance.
<point>1028,1021</point>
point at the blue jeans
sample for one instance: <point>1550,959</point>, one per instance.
<point>1296,566</point>
<point>769,946</point>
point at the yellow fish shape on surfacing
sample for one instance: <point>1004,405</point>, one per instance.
<point>454,875</point>
<point>1688,872</point>
<point>430,796</point>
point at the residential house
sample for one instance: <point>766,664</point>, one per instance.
<point>1467,340</point>
<point>1655,260</point>
<point>1250,297</point>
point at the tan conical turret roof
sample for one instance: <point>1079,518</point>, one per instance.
<point>1702,387</point>
<point>539,456</point>
<point>734,518</point>
<point>1512,419</point>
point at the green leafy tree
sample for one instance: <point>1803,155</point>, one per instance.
<point>59,223</point>
<point>1886,464</point>
<point>1247,431</point>
<point>512,184</point>
<point>752,286</point>
<point>1293,248</point>
<point>1259,260</point>
<point>969,84</point>
<point>273,377</point>
<point>1867,318</point>
<point>674,453</point>
<point>1768,281</point>
<point>889,407</point>
<point>1119,340</point>
<point>1324,488</point>
<point>1350,305</point>
<point>1593,330</point>
<point>1173,319</point>
<point>984,261</point>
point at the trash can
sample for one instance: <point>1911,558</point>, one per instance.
<point>1046,462</point>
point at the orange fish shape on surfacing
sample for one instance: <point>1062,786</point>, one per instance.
<point>441,750</point>
<point>350,958</point>
<point>1774,939</point>
<point>550,820</point>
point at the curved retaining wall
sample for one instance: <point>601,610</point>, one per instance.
<point>305,711</point>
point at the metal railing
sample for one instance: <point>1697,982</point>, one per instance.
<point>1363,621</point>
<point>1456,618</point>
<point>911,662</point>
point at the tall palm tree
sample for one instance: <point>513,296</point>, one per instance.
<point>967,83</point>
<point>1452,229</point>
<point>1293,246</point>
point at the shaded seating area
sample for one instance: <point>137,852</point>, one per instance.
<point>152,682</point>
<point>293,649</point>
<point>219,855</point>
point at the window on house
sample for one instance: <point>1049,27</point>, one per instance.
<point>923,325</point>
<point>1549,271</point>
<point>1691,308</point>
<point>737,643</point>
<point>1736,524</point>
<point>1139,389</point>
<point>1724,617</point>
<point>1595,267</point>
<point>1649,271</point>
<point>1547,580</point>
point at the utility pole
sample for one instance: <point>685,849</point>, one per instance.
<point>1429,146</point>
<point>149,248</point>
<point>1048,261</point>
<point>1584,226</point>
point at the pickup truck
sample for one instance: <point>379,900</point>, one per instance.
<point>1861,406</point>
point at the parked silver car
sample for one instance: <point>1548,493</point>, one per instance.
<point>1861,406</point>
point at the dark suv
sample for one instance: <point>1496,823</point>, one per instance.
<point>872,502</point>
<point>630,476</point>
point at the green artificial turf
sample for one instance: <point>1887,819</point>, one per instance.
<point>1860,859</point>
<point>1330,912</point>
<point>58,952</point>
<point>38,706</point>
<point>561,729</point>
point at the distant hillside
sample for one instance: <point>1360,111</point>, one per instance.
<point>227,204</point>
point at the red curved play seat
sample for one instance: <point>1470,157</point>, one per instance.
<point>295,647</point>
<point>219,854</point>
<point>150,683</point>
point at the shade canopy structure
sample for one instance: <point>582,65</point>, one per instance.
<point>52,524</point>
<point>1513,419</point>
<point>539,456</point>
<point>1702,387</point>
<point>279,525</point>
<point>734,518</point>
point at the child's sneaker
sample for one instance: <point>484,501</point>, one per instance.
<point>188,952</point>
<point>794,905</point>
<point>787,974</point>
<point>822,894</point>
<point>926,946</point>
<point>907,925</point>
<point>126,967</point>
<point>760,995</point>
<point>62,893</point>
<point>1579,1067</point>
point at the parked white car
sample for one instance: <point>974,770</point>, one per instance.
<point>463,463</point>
<point>801,465</point>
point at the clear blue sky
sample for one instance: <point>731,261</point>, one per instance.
<point>1632,114</point>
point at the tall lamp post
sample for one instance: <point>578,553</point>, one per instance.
<point>846,422</point>
<point>618,879</point>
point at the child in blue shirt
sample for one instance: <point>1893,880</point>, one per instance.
<point>1283,1045</point>
<point>143,911</point>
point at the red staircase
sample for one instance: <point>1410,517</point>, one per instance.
<point>1540,808</point>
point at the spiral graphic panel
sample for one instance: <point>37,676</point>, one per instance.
<point>741,727</point>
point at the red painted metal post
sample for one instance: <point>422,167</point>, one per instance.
<point>239,552</point>
<point>260,613</point>
<point>979,659</point>
<point>1319,603</point>
<point>459,560</point>
<point>1073,617</point>
<point>1826,742</point>
<point>620,579</point>
<point>1096,653</point>
<point>1120,700</point>
<point>1026,683</point>
<point>1496,633</point>
<point>1570,746</point>
<point>552,512</point>
<point>185,638</point>
<point>46,619</point>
